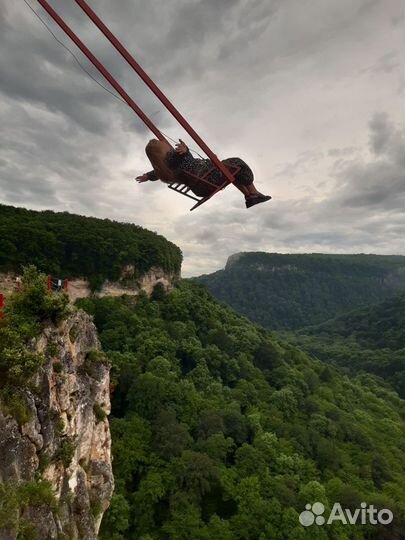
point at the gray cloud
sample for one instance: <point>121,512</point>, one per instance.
<point>292,87</point>
<point>363,214</point>
<point>339,152</point>
<point>387,63</point>
<point>381,133</point>
<point>380,183</point>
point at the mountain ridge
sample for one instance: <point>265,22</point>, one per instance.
<point>289,291</point>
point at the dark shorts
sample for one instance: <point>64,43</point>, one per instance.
<point>243,178</point>
<point>245,175</point>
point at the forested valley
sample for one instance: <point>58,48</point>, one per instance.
<point>221,431</point>
<point>369,339</point>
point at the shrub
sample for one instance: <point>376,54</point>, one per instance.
<point>96,507</point>
<point>8,507</point>
<point>34,304</point>
<point>52,348</point>
<point>74,332</point>
<point>14,404</point>
<point>17,363</point>
<point>26,531</point>
<point>59,425</point>
<point>93,359</point>
<point>58,367</point>
<point>37,493</point>
<point>66,451</point>
<point>99,413</point>
<point>14,498</point>
<point>44,461</point>
<point>25,314</point>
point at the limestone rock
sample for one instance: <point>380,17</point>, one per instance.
<point>67,439</point>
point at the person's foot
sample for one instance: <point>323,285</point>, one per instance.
<point>257,199</point>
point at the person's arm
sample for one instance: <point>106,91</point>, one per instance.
<point>150,176</point>
<point>175,157</point>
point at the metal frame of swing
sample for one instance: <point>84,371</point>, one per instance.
<point>183,189</point>
<point>229,177</point>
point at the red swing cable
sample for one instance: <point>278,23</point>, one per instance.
<point>155,89</point>
<point>102,69</point>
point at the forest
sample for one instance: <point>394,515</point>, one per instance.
<point>224,432</point>
<point>368,339</point>
<point>292,291</point>
<point>67,245</point>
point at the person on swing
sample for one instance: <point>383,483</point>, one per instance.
<point>172,165</point>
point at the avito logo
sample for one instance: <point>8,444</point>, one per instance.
<point>314,513</point>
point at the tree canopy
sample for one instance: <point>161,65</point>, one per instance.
<point>69,245</point>
<point>221,431</point>
<point>368,339</point>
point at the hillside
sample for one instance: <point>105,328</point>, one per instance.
<point>369,339</point>
<point>67,245</point>
<point>293,291</point>
<point>221,432</point>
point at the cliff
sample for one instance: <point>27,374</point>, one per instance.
<point>80,288</point>
<point>290,291</point>
<point>126,284</point>
<point>55,467</point>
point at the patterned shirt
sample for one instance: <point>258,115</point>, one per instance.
<point>181,164</point>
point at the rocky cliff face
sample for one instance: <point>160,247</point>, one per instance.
<point>80,288</point>
<point>128,285</point>
<point>232,259</point>
<point>66,445</point>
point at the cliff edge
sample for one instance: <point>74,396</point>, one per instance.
<point>55,468</point>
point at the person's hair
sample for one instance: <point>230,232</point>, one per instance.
<point>156,152</point>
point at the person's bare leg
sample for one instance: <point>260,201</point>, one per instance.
<point>242,189</point>
<point>248,191</point>
<point>252,196</point>
<point>252,190</point>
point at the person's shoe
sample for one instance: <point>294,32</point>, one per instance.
<point>257,200</point>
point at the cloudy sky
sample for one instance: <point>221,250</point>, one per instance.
<point>308,92</point>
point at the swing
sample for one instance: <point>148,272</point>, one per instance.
<point>183,189</point>
<point>178,187</point>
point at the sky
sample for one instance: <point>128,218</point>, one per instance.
<point>309,93</point>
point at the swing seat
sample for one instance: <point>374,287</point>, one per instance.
<point>185,190</point>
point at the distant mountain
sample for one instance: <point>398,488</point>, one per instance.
<point>370,339</point>
<point>77,246</point>
<point>293,291</point>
